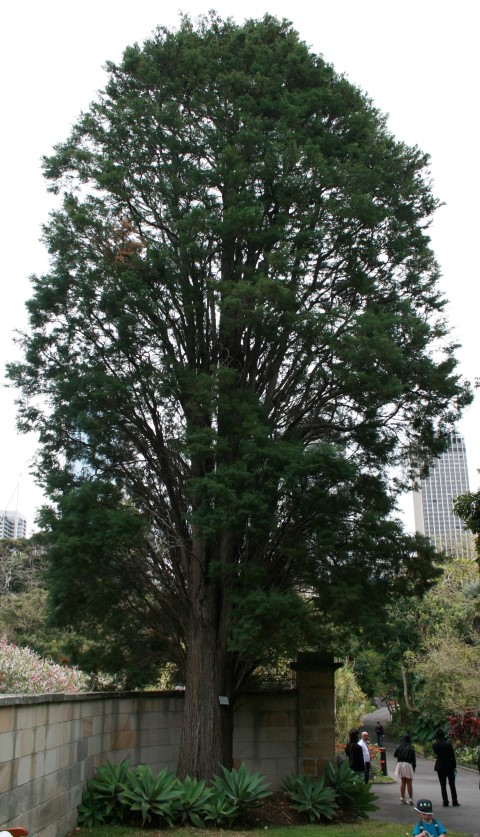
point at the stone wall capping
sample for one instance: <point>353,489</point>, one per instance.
<point>81,697</point>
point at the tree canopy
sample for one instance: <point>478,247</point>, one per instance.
<point>417,658</point>
<point>239,336</point>
<point>467,508</point>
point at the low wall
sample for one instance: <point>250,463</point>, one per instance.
<point>51,744</point>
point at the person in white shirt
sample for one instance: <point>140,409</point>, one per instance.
<point>366,754</point>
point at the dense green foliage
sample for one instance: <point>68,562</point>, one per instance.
<point>308,795</point>
<point>240,788</point>
<point>194,801</point>
<point>25,623</point>
<point>350,701</point>
<point>118,792</point>
<point>427,657</point>
<point>467,508</point>
<point>155,797</point>
<point>91,811</point>
<point>239,335</point>
<point>106,788</point>
<point>352,794</point>
<point>34,656</point>
<point>23,596</point>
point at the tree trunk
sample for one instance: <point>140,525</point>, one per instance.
<point>406,695</point>
<point>207,731</point>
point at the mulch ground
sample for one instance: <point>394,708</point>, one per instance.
<point>274,810</point>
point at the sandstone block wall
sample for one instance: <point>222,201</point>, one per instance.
<point>50,745</point>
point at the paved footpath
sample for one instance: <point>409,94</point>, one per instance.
<point>466,818</point>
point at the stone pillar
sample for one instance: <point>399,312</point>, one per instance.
<point>316,710</point>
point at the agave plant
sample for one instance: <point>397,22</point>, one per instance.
<point>220,810</point>
<point>246,790</point>
<point>153,796</point>
<point>233,794</point>
<point>91,812</point>
<point>351,792</point>
<point>106,786</point>
<point>192,804</point>
<point>290,783</point>
<point>311,797</point>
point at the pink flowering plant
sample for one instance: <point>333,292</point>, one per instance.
<point>22,671</point>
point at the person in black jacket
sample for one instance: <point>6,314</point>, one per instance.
<point>354,752</point>
<point>406,764</point>
<point>380,732</point>
<point>445,765</point>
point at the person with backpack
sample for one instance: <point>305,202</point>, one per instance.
<point>406,764</point>
<point>427,826</point>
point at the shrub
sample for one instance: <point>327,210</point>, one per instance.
<point>220,810</point>
<point>311,797</point>
<point>420,727</point>
<point>107,787</point>
<point>465,727</point>
<point>352,794</point>
<point>241,789</point>
<point>117,792</point>
<point>22,671</point>
<point>91,811</point>
<point>153,796</point>
<point>423,728</point>
<point>467,756</point>
<point>376,760</point>
<point>192,804</point>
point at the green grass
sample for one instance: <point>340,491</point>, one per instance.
<point>363,829</point>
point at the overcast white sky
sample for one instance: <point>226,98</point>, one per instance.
<point>417,59</point>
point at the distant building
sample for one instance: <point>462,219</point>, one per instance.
<point>433,502</point>
<point>12,525</point>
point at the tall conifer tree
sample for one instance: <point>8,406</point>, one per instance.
<point>239,335</point>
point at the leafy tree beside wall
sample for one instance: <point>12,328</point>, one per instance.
<point>239,335</point>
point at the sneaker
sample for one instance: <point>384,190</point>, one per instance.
<point>456,804</point>
<point>410,801</point>
<point>403,801</point>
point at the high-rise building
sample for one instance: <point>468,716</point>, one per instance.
<point>12,525</point>
<point>433,502</point>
